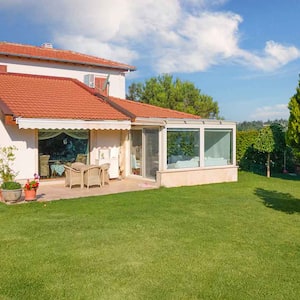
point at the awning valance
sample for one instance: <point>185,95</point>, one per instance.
<point>27,123</point>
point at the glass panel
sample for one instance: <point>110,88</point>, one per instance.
<point>136,152</point>
<point>218,147</point>
<point>183,149</point>
<point>64,147</point>
<point>151,152</point>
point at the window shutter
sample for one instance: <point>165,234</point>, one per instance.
<point>101,85</point>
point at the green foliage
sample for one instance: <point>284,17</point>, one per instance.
<point>293,131</point>
<point>265,141</point>
<point>251,159</point>
<point>253,125</point>
<point>270,138</point>
<point>11,185</point>
<point>175,94</point>
<point>244,140</point>
<point>7,157</point>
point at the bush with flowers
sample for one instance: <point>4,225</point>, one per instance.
<point>32,184</point>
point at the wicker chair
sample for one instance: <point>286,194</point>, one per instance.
<point>81,158</point>
<point>44,165</point>
<point>92,176</point>
<point>104,173</point>
<point>78,165</point>
<point>73,177</point>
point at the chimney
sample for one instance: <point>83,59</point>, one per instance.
<point>47,45</point>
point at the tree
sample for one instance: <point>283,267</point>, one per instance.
<point>293,131</point>
<point>175,94</point>
<point>270,139</point>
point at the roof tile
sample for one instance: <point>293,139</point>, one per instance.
<point>35,96</point>
<point>58,55</point>
<point>144,110</point>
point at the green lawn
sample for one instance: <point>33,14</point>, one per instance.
<point>222,241</point>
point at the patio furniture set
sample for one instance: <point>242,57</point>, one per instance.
<point>86,175</point>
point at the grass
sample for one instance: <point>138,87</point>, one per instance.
<point>222,241</point>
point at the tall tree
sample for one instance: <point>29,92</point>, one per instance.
<point>270,139</point>
<point>293,131</point>
<point>179,95</point>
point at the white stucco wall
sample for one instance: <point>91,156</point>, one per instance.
<point>26,162</point>
<point>107,140</point>
<point>117,79</point>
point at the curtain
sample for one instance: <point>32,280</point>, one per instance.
<point>77,134</point>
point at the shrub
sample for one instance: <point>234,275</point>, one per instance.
<point>11,185</point>
<point>7,158</point>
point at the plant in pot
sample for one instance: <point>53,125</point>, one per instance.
<point>11,190</point>
<point>30,188</point>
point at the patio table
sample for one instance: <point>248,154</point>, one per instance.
<point>58,169</point>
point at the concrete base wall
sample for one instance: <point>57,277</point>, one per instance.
<point>173,178</point>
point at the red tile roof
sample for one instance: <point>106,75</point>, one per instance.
<point>35,96</point>
<point>58,55</point>
<point>142,110</point>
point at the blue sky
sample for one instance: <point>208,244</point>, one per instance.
<point>243,53</point>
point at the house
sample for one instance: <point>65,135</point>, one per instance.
<point>63,105</point>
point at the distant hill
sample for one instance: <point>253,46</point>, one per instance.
<point>257,125</point>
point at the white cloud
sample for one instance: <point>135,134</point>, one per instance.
<point>265,113</point>
<point>94,47</point>
<point>170,35</point>
<point>275,56</point>
<point>200,41</point>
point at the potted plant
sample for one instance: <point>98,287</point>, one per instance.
<point>11,190</point>
<point>30,188</point>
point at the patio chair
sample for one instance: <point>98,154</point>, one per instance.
<point>104,173</point>
<point>78,165</point>
<point>44,165</point>
<point>92,176</point>
<point>73,177</point>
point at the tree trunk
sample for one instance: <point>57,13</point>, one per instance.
<point>268,165</point>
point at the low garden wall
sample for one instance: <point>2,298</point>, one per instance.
<point>186,177</point>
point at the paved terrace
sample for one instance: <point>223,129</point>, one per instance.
<point>55,189</point>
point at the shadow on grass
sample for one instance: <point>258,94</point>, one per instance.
<point>279,201</point>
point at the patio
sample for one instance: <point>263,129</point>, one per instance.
<point>54,189</point>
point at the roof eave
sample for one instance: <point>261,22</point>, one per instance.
<point>121,68</point>
<point>174,121</point>
<point>41,123</point>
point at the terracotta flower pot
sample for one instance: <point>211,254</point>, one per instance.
<point>30,195</point>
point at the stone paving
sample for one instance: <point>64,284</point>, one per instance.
<point>55,189</point>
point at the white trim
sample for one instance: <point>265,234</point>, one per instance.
<point>27,123</point>
<point>184,123</point>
